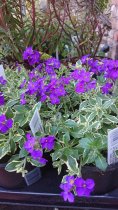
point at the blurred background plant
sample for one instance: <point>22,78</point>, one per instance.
<point>102,4</point>
<point>65,29</point>
<point>23,24</point>
<point>81,23</point>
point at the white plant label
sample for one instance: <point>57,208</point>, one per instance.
<point>33,176</point>
<point>35,123</point>
<point>2,72</point>
<point>112,146</point>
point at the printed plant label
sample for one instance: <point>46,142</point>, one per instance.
<point>35,123</point>
<point>2,72</point>
<point>33,176</point>
<point>112,146</point>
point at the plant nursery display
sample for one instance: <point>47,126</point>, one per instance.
<point>74,107</point>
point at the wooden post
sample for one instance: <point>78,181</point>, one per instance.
<point>2,22</point>
<point>114,31</point>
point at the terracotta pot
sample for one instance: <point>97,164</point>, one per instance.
<point>105,181</point>
<point>10,180</point>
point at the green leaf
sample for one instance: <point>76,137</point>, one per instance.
<point>14,157</point>
<point>114,108</point>
<point>21,109</point>
<point>34,162</point>
<point>78,64</point>
<point>54,130</point>
<point>37,106</point>
<point>2,136</point>
<point>111,118</point>
<point>83,105</point>
<point>9,113</point>
<point>99,101</point>
<point>116,152</point>
<point>85,143</point>
<point>89,156</point>
<point>91,117</point>
<point>20,132</point>
<point>56,155</point>
<point>101,163</point>
<point>4,150</point>
<point>21,119</point>
<point>107,104</point>
<point>11,103</point>
<point>82,118</point>
<point>71,123</point>
<point>12,165</point>
<point>12,146</point>
<point>72,164</point>
<point>17,138</point>
<point>92,102</point>
<point>23,153</point>
<point>66,137</point>
<point>77,134</point>
<point>95,125</point>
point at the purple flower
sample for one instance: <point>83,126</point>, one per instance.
<point>5,124</point>
<point>67,188</point>
<point>2,81</point>
<point>47,142</point>
<point>70,180</point>
<point>22,99</point>
<point>112,74</point>
<point>27,53</point>
<point>67,196</point>
<point>81,75</point>
<point>29,144</point>
<point>106,88</point>
<point>39,67</point>
<point>18,66</point>
<point>22,85</point>
<point>80,87</point>
<point>32,75</point>
<point>85,58</point>
<point>37,155</point>
<point>32,56</point>
<point>2,101</point>
<point>91,85</point>
<point>43,97</point>
<point>84,187</point>
<point>55,63</point>
<point>85,76</point>
<point>32,87</point>
<point>65,80</point>
<point>75,74</point>
<point>54,99</point>
<point>43,161</point>
<point>50,70</point>
<point>59,91</point>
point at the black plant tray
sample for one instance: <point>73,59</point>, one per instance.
<point>46,193</point>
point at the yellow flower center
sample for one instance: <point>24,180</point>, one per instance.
<point>84,185</point>
<point>71,181</point>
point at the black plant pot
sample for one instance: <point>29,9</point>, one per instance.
<point>104,181</point>
<point>10,180</point>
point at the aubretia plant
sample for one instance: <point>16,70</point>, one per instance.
<point>77,105</point>
<point>16,139</point>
